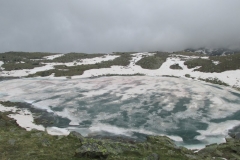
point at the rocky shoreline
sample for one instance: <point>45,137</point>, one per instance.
<point>17,143</point>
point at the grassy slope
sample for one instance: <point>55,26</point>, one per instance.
<point>27,60</point>
<point>22,60</point>
<point>12,61</point>
<point>176,66</point>
<point>230,62</point>
<point>70,57</point>
<point>63,70</point>
<point>30,60</point>
<point>18,144</point>
<point>153,62</point>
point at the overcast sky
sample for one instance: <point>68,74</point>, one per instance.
<point>118,25</point>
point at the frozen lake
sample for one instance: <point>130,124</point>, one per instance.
<point>190,112</point>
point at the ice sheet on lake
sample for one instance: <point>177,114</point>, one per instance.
<point>189,111</point>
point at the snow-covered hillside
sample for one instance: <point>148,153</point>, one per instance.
<point>213,52</point>
<point>151,102</point>
<point>230,77</point>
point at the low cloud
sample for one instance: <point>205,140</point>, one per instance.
<point>120,25</point>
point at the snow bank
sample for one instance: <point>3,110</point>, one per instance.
<point>57,131</point>
<point>1,63</point>
<point>25,72</point>
<point>53,56</point>
<point>87,61</point>
<point>23,117</point>
<point>230,77</point>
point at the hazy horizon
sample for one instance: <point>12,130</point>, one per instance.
<point>105,26</point>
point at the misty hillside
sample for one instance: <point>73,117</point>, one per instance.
<point>216,66</point>
<point>95,106</point>
<point>120,80</point>
<point>213,52</point>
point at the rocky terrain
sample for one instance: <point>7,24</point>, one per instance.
<point>17,143</point>
<point>223,69</point>
<point>19,140</point>
<point>213,52</point>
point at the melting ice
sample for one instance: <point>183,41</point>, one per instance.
<point>190,112</point>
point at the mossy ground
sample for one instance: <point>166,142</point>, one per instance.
<point>70,57</point>
<point>26,60</point>
<point>214,81</point>
<point>153,62</point>
<point>18,144</point>
<point>229,62</point>
<point>30,60</point>
<point>62,70</point>
<point>176,66</point>
<point>22,60</point>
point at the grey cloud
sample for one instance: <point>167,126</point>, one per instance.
<point>119,25</point>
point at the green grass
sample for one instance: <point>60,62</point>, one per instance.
<point>199,62</point>
<point>189,76</point>
<point>20,66</point>
<point>12,57</point>
<point>62,70</point>
<point>229,62</point>
<point>70,57</point>
<point>187,54</point>
<point>176,66</point>
<point>18,144</point>
<point>22,60</point>
<point>214,81</point>
<point>30,60</point>
<point>153,62</point>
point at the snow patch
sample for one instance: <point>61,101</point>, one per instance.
<point>23,117</point>
<point>215,62</point>
<point>57,131</point>
<point>230,77</point>
<point>201,51</point>
<point>1,63</point>
<point>25,72</point>
<point>53,56</point>
<point>86,61</point>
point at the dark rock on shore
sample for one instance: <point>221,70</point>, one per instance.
<point>228,150</point>
<point>17,143</point>
<point>155,148</point>
<point>77,135</point>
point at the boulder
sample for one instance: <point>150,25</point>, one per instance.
<point>93,151</point>
<point>237,136</point>
<point>161,140</point>
<point>77,135</point>
<point>153,156</point>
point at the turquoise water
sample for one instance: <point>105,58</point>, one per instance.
<point>191,112</point>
